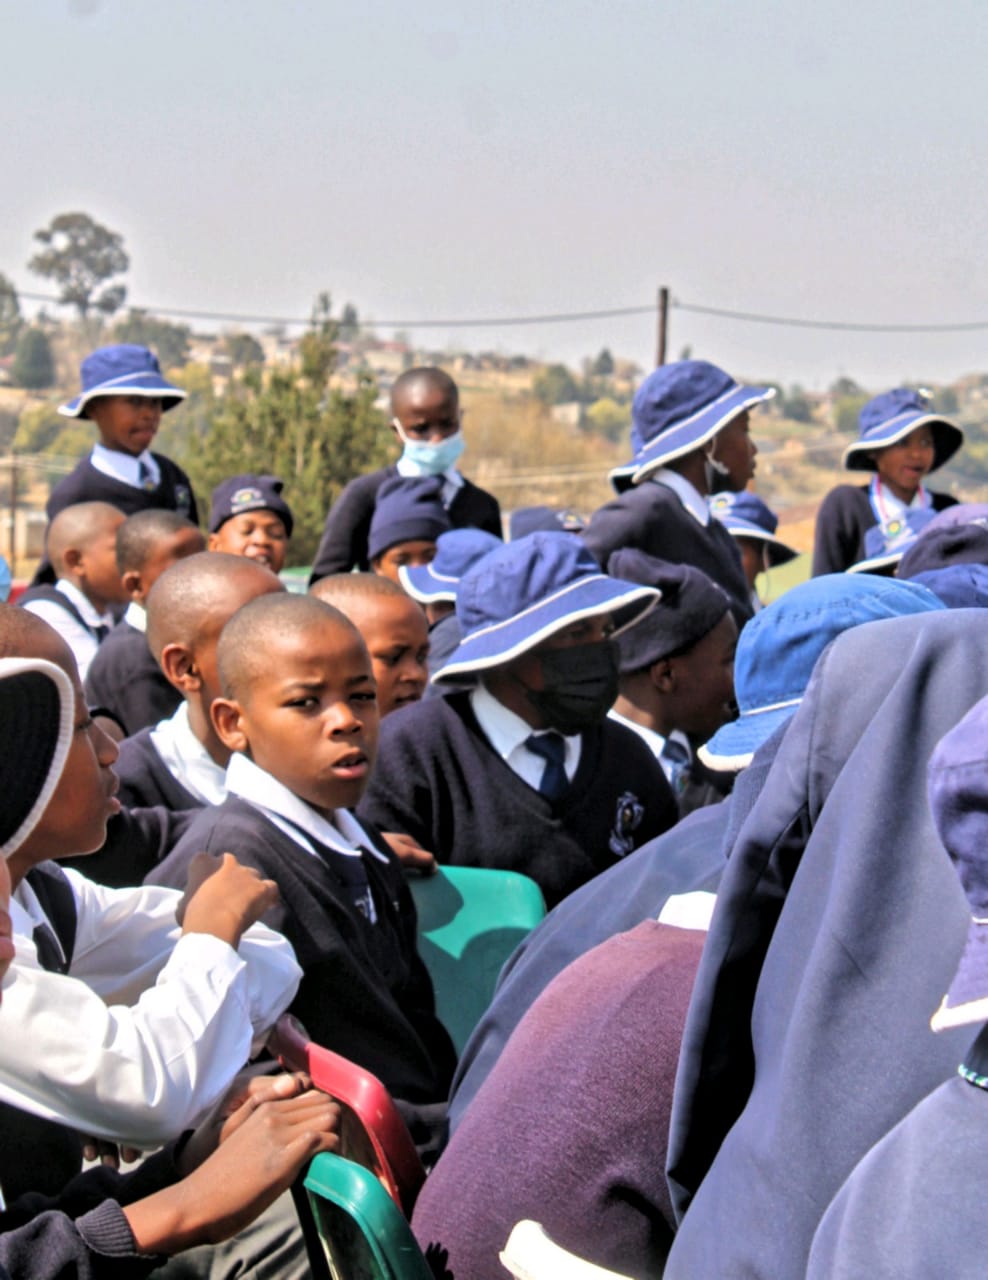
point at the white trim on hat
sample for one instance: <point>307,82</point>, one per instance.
<point>758,395</point>
<point>118,386</point>
<point>910,423</point>
<point>428,597</point>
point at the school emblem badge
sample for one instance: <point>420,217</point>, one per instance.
<point>183,499</point>
<point>627,819</point>
<point>246,500</point>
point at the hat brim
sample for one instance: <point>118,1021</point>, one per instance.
<point>151,385</point>
<point>588,597</point>
<point>947,439</point>
<point>733,745</point>
<point>779,551</point>
<point>621,477</point>
<point>695,430</point>
<point>35,751</point>
<point>426,586</point>
<point>877,563</point>
<point>966,1003</point>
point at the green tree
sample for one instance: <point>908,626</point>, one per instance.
<point>169,342</point>
<point>795,405</point>
<point>11,322</point>
<point>603,364</point>
<point>846,411</point>
<point>945,400</point>
<point>243,349</point>
<point>37,427</point>
<point>349,323</point>
<point>33,364</point>
<point>843,387</point>
<point>555,385</point>
<point>80,255</point>
<point>609,418</point>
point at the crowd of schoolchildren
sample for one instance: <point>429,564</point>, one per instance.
<point>748,1038</point>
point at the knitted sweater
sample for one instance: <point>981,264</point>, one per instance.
<point>125,678</point>
<point>844,518</point>
<point>145,779</point>
<point>439,780</point>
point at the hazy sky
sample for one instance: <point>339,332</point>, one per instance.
<point>482,159</point>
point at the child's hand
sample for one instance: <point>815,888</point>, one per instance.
<point>410,853</point>
<point>223,898</point>
<point>247,1092</point>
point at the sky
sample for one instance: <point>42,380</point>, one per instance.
<point>449,160</point>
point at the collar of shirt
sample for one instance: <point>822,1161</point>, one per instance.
<point>655,741</point>
<point>187,759</point>
<point>452,480</point>
<point>293,816</point>
<point>26,913</point>
<point>136,615</point>
<point>685,492</point>
<point>86,611</point>
<point>887,506</point>
<point>507,733</point>
<point>124,466</point>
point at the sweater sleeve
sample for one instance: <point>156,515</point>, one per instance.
<point>400,796</point>
<point>97,1246</point>
<point>837,539</point>
<point>343,545</point>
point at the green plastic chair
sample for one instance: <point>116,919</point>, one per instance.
<point>470,921</point>
<point>362,1231</point>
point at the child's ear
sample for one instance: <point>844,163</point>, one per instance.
<point>212,542</point>
<point>179,665</point>
<point>72,559</point>
<point>132,585</point>
<point>228,721</point>
<point>663,674</point>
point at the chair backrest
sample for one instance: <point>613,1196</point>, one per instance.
<point>363,1233</point>
<point>470,921</point>
<point>373,1133</point>
<point>530,1254</point>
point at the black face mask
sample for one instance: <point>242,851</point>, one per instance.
<point>580,686</point>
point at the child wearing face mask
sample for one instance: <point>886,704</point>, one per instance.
<point>427,421</point>
<point>523,771</point>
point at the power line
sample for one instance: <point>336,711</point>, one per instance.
<point>751,317</point>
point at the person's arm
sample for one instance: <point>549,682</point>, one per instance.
<point>837,536</point>
<point>343,545</point>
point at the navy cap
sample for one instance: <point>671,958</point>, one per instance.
<point>889,418</point>
<point>248,493</point>
<point>681,406</point>
<point>527,520</point>
<point>745,515</point>
<point>957,782</point>
<point>457,550</point>
<point>123,369</point>
<point>524,592</point>
<point>407,510</point>
<point>946,545</point>
<point>691,606</point>
<point>959,586</point>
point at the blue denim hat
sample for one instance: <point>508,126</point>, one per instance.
<point>885,545</point>
<point>456,552</point>
<point>122,370</point>
<point>524,592</point>
<point>957,784</point>
<point>248,493</point>
<point>745,515</point>
<point>526,520</point>
<point>779,648</point>
<point>889,418</point>
<point>943,544</point>
<point>681,406</point>
<point>407,509</point>
<point>959,586</point>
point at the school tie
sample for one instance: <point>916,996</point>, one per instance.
<point>100,632</point>
<point>551,747</point>
<point>145,477</point>
<point>675,761</point>
<point>49,952</point>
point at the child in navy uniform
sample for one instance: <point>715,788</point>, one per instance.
<point>425,404</point>
<point>124,677</point>
<point>524,771</point>
<point>249,517</point>
<point>82,543</point>
<point>408,519</point>
<point>299,713</point>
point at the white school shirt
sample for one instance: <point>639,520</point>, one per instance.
<point>655,741</point>
<point>124,466</point>
<point>187,760</point>
<point>148,1028</point>
<point>82,642</point>
<point>507,732</point>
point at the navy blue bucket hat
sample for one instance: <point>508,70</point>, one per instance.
<point>249,493</point>
<point>943,544</point>
<point>889,418</point>
<point>407,510</point>
<point>457,551</point>
<point>886,545</point>
<point>678,408</point>
<point>957,783</point>
<point>959,586</point>
<point>526,520</point>
<point>745,515</point>
<point>779,648</point>
<point>122,370</point>
<point>524,592</point>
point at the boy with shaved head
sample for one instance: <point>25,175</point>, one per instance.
<point>180,763</point>
<point>299,713</point>
<point>82,548</point>
<point>427,420</point>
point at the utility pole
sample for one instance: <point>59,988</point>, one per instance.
<point>660,355</point>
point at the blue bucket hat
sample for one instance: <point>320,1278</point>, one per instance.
<point>248,493</point>
<point>407,509</point>
<point>681,406</point>
<point>779,648</point>
<point>943,544</point>
<point>959,586</point>
<point>885,545</point>
<point>456,552</point>
<point>524,592</point>
<point>889,418</point>
<point>745,515</point>
<point>957,784</point>
<point>526,520</point>
<point>122,370</point>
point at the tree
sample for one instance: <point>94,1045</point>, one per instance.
<point>603,364</point>
<point>843,387</point>
<point>11,322</point>
<point>609,418</point>
<point>555,385</point>
<point>80,256</point>
<point>945,400</point>
<point>795,405</point>
<point>349,324</point>
<point>243,349</point>
<point>169,342</point>
<point>33,365</point>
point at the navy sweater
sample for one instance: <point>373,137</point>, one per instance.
<point>145,779</point>
<point>364,993</point>
<point>844,518</point>
<point>344,539</point>
<point>651,517</point>
<point>439,780</point>
<point>125,678</point>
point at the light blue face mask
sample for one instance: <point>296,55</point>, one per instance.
<point>431,459</point>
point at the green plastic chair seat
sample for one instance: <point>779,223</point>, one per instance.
<point>470,919</point>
